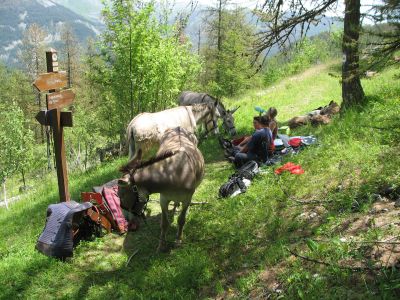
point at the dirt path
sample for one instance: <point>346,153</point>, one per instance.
<point>298,77</point>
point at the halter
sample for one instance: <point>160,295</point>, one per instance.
<point>215,126</point>
<point>138,199</point>
<point>229,127</point>
<point>225,112</point>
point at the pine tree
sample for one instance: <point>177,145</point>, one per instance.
<point>284,22</point>
<point>32,57</point>
<point>227,56</point>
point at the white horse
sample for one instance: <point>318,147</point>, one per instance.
<point>144,132</point>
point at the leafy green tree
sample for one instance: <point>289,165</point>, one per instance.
<point>16,151</point>
<point>144,65</point>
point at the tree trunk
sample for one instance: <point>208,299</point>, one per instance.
<point>352,91</point>
<point>199,42</point>
<point>78,157</point>
<point>219,42</point>
<point>23,178</point>
<point>4,193</point>
<point>86,155</point>
<point>69,70</point>
<point>130,70</point>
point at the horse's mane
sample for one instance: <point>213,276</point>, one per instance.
<point>136,164</point>
<point>155,159</point>
<point>199,106</point>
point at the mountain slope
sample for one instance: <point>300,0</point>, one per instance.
<point>15,16</point>
<point>238,248</point>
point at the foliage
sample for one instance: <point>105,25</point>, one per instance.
<point>16,142</point>
<point>381,41</point>
<point>32,50</point>
<point>228,71</point>
<point>286,22</point>
<point>305,53</point>
<point>144,65</point>
<point>230,245</point>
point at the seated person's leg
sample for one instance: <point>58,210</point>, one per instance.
<point>240,159</point>
<point>237,141</point>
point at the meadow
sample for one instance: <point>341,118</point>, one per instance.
<point>248,246</point>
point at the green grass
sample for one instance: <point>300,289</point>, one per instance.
<point>230,243</point>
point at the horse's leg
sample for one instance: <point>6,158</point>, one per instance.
<point>176,205</point>
<point>182,220</point>
<point>162,246</point>
<point>216,129</point>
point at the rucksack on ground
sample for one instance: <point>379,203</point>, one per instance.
<point>249,170</point>
<point>63,220</point>
<point>231,187</point>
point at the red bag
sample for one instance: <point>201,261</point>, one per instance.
<point>290,167</point>
<point>295,142</point>
<point>110,194</point>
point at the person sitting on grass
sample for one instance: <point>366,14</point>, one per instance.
<point>256,147</point>
<point>271,114</point>
<point>273,126</point>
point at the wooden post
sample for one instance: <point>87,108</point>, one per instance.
<point>54,117</point>
<point>59,149</point>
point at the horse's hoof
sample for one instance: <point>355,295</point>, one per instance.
<point>162,248</point>
<point>178,243</point>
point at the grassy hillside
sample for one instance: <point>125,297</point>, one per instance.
<point>241,247</point>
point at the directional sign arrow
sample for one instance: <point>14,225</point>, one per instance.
<point>60,99</point>
<point>41,117</point>
<point>44,118</point>
<point>51,81</point>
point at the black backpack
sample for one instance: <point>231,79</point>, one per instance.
<point>249,170</point>
<point>234,184</point>
<point>57,239</point>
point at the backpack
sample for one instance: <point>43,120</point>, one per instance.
<point>233,185</point>
<point>249,170</point>
<point>58,239</point>
<point>108,198</point>
<point>295,142</point>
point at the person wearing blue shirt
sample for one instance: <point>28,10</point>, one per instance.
<point>256,148</point>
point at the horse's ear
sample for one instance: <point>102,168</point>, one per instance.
<point>234,110</point>
<point>132,164</point>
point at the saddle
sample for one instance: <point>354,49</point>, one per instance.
<point>61,230</point>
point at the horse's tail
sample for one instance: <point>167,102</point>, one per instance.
<point>131,142</point>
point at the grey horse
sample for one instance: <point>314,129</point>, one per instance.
<point>190,98</point>
<point>175,173</point>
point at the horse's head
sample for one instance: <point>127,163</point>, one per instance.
<point>126,186</point>
<point>228,122</point>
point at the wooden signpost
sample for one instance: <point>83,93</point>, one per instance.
<point>51,81</point>
<point>54,117</point>
<point>60,99</point>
